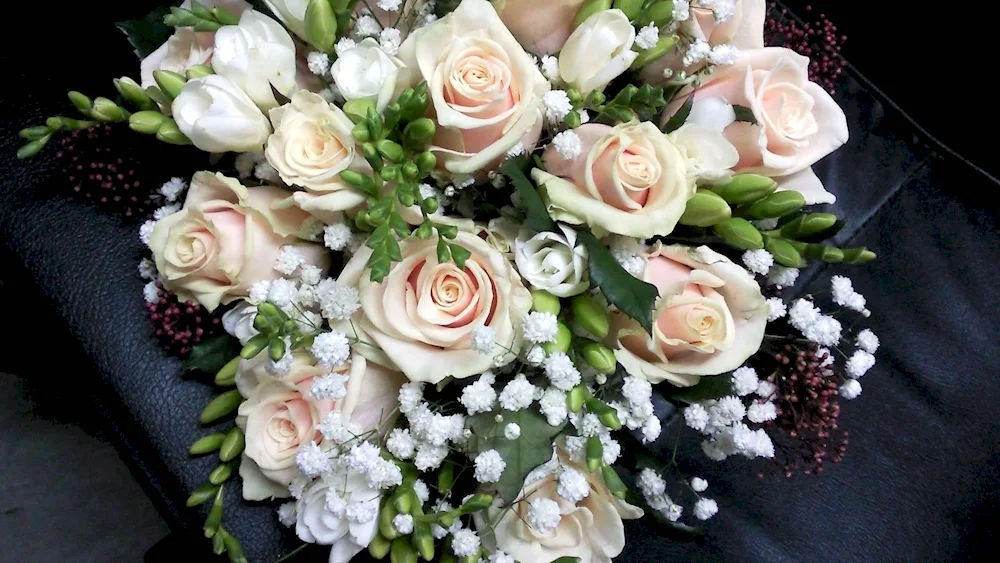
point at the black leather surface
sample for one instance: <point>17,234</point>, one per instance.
<point>920,481</point>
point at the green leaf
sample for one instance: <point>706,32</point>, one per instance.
<point>531,449</point>
<point>680,117</point>
<point>212,354</point>
<point>633,296</point>
<point>146,35</point>
<point>710,387</point>
<point>459,254</point>
<point>744,114</point>
<point>537,217</point>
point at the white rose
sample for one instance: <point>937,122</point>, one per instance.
<point>257,54</point>
<point>485,90</point>
<point>708,155</point>
<point>217,116</point>
<point>598,51</point>
<point>316,523</point>
<point>552,261</point>
<point>310,147</point>
<point>366,72</point>
<point>238,321</point>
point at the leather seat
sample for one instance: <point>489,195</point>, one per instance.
<point>920,481</point>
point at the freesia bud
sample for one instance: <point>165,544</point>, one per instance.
<point>705,209</point>
<point>739,233</point>
<point>663,46</point>
<point>544,302</point>
<point>590,315</point>
<point>591,8</point>
<point>599,49</point>
<point>562,342</point>
<point>379,546</point>
<point>131,91</point>
<point>631,8</point>
<point>106,110</point>
<point>320,25</point>
<point>170,82</point>
<point>784,252</point>
<point>600,357</point>
<point>660,14</point>
<point>198,71</point>
<point>777,205</point>
<point>746,188</point>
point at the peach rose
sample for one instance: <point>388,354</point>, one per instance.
<point>280,414</point>
<point>709,317</point>
<point>422,316</point>
<point>590,529</point>
<point>629,180</point>
<point>186,47</point>
<point>798,122</point>
<point>225,238</point>
<point>485,91</point>
<point>541,27</point>
<point>744,29</point>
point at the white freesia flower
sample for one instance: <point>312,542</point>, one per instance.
<point>552,261</point>
<point>257,55</point>
<point>348,529</point>
<point>599,50</point>
<point>238,321</point>
<point>708,155</point>
<point>217,116</point>
<point>366,72</point>
<point>292,13</point>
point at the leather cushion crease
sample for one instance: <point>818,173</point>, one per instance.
<point>919,482</point>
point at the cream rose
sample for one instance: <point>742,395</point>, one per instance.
<point>541,27</point>
<point>257,55</point>
<point>186,47</point>
<point>366,72</point>
<point>552,261</point>
<point>628,180</point>
<point>219,117</point>
<point>422,316</point>
<point>598,51</point>
<point>798,122</point>
<point>485,91</point>
<point>226,238</point>
<point>590,529</point>
<point>316,523</point>
<point>280,414</point>
<point>744,29</point>
<point>709,317</point>
<point>310,147</point>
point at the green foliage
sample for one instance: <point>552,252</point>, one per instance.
<point>199,17</point>
<point>709,387</point>
<point>147,34</point>
<point>678,119</point>
<point>631,295</point>
<point>537,218</point>
<point>211,355</point>
<point>531,449</point>
<point>745,115</point>
<point>632,102</point>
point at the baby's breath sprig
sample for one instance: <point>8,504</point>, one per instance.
<point>395,145</point>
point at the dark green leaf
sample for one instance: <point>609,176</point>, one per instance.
<point>680,117</point>
<point>633,296</point>
<point>209,356</point>
<point>537,218</point>
<point>531,449</point>
<point>459,254</point>
<point>146,35</point>
<point>745,114</point>
<point>710,387</point>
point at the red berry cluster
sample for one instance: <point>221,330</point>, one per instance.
<point>179,326</point>
<point>816,38</point>
<point>100,165</point>
<point>805,432</point>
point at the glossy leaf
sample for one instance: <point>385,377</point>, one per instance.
<point>631,295</point>
<point>531,449</point>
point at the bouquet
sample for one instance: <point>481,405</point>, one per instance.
<point>456,266</point>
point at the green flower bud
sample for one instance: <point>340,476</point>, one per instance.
<point>595,98</point>
<point>233,547</point>
<point>614,482</point>
<point>320,25</point>
<point>170,83</point>
<point>254,346</point>
<point>106,110</point>
<point>600,357</point>
<point>225,17</point>
<point>420,130</point>
<point>81,102</point>
<point>169,133</point>
<point>214,519</point>
<point>158,96</point>
<point>200,10</point>
<point>443,251</point>
<point>424,231</point>
<point>402,501</point>
<point>385,517</point>
<point>595,453</point>
<point>426,161</point>
<point>660,14</point>
<point>207,444</point>
<point>391,173</point>
<point>631,8</point>
<point>705,209</point>
<point>411,171</point>
<point>739,233</point>
<point>390,150</point>
<point>360,133</point>
<point>859,255</point>
<point>589,9</point>
<point>402,551</point>
<point>379,547</point>
<point>777,205</point>
<point>179,17</point>
<point>131,91</point>
<point>429,205</point>
<point>575,97</point>
<point>220,474</point>
<point>34,133</point>
<point>561,344</point>
<point>222,405</point>
<point>590,315</point>
<point>199,71</point>
<point>479,501</point>
<point>808,224</point>
<point>147,122</point>
<point>371,154</point>
<point>227,375</point>
<point>207,25</point>
<point>202,495</point>
<point>663,46</point>
<point>746,188</point>
<point>276,349</point>
<point>572,120</point>
<point>576,397</point>
<point>232,445</point>
<point>832,255</point>
<point>446,519</point>
<point>357,110</point>
<point>544,302</point>
<point>423,541</point>
<point>784,253</point>
<point>32,148</point>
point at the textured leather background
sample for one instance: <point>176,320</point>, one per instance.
<point>921,479</point>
